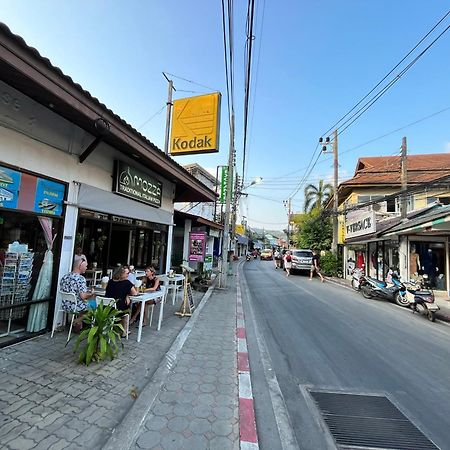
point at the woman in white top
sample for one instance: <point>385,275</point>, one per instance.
<point>288,262</point>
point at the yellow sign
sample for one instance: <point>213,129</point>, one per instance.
<point>240,229</point>
<point>195,125</point>
<point>341,229</point>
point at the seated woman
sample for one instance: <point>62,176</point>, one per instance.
<point>119,288</point>
<point>151,283</point>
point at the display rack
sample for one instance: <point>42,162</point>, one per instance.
<point>15,277</point>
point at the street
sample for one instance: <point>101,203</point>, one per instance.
<point>308,335</point>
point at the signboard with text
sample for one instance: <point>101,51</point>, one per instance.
<point>137,185</point>
<point>195,125</point>
<point>360,225</point>
<point>20,190</point>
<point>197,246</point>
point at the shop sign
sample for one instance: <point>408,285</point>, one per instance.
<point>214,233</point>
<point>360,225</point>
<point>208,264</point>
<point>195,125</point>
<point>93,214</point>
<point>27,192</point>
<point>240,229</point>
<point>197,246</point>
<point>122,220</point>
<point>133,183</point>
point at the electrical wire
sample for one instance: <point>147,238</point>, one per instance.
<point>192,82</point>
<point>152,117</point>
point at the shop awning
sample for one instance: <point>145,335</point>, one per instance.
<point>241,239</point>
<point>198,219</point>
<point>90,197</point>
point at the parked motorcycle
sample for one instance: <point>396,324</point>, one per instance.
<point>420,297</point>
<point>356,278</point>
<point>373,288</point>
<point>248,257</point>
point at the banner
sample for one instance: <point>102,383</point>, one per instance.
<point>195,125</point>
<point>197,246</point>
<point>224,185</point>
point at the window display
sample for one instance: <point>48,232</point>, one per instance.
<point>428,258</point>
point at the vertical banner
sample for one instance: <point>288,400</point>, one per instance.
<point>223,185</point>
<point>197,246</point>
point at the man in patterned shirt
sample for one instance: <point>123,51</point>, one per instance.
<point>75,282</point>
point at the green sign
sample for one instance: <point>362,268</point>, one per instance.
<point>223,185</point>
<point>133,183</point>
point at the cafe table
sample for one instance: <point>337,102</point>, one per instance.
<point>144,297</point>
<point>172,283</point>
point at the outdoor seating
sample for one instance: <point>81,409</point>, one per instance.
<point>173,284</point>
<point>70,297</point>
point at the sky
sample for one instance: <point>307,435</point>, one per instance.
<point>312,62</point>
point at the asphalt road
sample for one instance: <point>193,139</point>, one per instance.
<point>304,334</point>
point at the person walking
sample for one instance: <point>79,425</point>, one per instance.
<point>315,266</point>
<point>288,262</point>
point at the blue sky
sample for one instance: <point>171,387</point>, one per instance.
<point>313,60</point>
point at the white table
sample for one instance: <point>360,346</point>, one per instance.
<point>172,283</point>
<point>142,298</point>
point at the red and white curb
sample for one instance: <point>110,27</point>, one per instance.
<point>247,422</point>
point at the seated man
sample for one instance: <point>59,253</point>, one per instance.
<point>75,283</point>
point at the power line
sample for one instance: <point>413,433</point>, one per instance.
<point>338,123</point>
<point>151,118</point>
<point>192,82</point>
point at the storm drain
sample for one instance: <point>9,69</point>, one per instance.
<point>368,421</point>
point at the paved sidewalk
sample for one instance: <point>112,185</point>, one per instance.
<point>441,298</point>
<point>197,407</point>
<point>49,402</point>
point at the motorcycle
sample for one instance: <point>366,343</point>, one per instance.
<point>356,278</point>
<point>373,288</point>
<point>248,257</point>
<point>420,297</point>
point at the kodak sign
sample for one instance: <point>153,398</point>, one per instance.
<point>195,125</point>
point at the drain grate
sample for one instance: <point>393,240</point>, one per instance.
<point>369,421</point>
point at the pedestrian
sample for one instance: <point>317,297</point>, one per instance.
<point>276,257</point>
<point>315,266</point>
<point>74,282</point>
<point>288,262</point>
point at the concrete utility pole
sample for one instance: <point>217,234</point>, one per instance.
<point>404,180</point>
<point>226,224</point>
<point>168,114</point>
<point>335,200</point>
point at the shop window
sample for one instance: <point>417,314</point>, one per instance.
<point>444,200</point>
<point>27,272</point>
<point>428,258</point>
<point>431,200</point>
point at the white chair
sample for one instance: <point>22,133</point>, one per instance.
<point>112,302</point>
<point>164,292</point>
<point>170,285</point>
<point>69,297</point>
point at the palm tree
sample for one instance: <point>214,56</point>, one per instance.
<point>317,196</point>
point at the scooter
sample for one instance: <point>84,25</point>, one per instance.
<point>356,278</point>
<point>248,257</point>
<point>421,298</point>
<point>373,288</point>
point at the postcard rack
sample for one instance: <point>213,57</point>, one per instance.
<point>15,277</point>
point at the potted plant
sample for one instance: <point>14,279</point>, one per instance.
<point>100,337</point>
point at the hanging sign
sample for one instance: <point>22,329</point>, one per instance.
<point>9,187</point>
<point>223,185</point>
<point>133,183</point>
<point>195,125</point>
<point>197,246</point>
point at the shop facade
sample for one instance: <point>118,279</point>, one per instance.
<point>74,178</point>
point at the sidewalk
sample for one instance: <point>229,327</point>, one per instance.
<point>441,298</point>
<point>48,401</point>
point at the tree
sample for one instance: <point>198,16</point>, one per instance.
<point>316,197</point>
<point>314,231</point>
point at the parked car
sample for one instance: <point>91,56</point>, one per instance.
<point>301,259</point>
<point>266,254</point>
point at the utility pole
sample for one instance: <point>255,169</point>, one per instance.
<point>327,142</point>
<point>404,180</point>
<point>335,200</point>
<point>226,223</point>
<point>287,205</point>
<point>168,113</point>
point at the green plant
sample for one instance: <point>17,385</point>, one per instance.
<point>330,264</point>
<point>100,338</point>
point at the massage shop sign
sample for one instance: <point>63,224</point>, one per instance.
<point>360,224</point>
<point>197,246</point>
<point>133,183</point>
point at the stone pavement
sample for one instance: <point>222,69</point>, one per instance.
<point>48,401</point>
<point>197,406</point>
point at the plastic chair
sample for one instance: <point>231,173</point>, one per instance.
<point>171,286</point>
<point>112,302</point>
<point>70,297</point>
